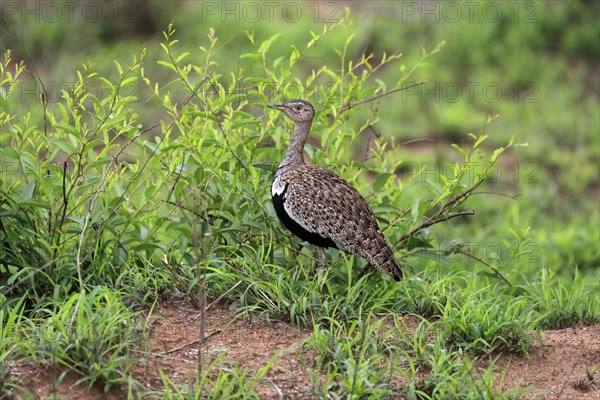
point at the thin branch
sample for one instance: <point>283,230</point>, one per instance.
<point>86,221</point>
<point>163,355</point>
<point>479,260</point>
<point>512,197</point>
<point>350,105</point>
<point>195,341</point>
<point>217,300</point>
<point>433,221</point>
<point>418,141</point>
<point>207,218</point>
<point>64,208</point>
<point>456,199</point>
<point>277,389</point>
<point>177,178</point>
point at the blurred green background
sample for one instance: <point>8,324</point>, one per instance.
<point>534,63</point>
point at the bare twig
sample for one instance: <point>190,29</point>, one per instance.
<point>206,219</point>
<point>512,197</point>
<point>218,299</point>
<point>479,260</point>
<point>348,106</point>
<point>195,341</point>
<point>433,221</point>
<point>418,141</point>
<point>162,355</point>
<point>277,389</point>
<point>64,207</point>
<point>456,199</point>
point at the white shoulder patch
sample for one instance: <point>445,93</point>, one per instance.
<point>278,187</point>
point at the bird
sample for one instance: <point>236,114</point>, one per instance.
<point>319,206</point>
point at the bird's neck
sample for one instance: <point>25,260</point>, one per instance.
<point>295,152</point>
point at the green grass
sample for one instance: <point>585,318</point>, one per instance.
<point>115,196</point>
<point>89,333</point>
<point>229,382</point>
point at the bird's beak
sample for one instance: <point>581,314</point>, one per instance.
<point>275,106</point>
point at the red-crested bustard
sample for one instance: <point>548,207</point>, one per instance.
<point>320,207</point>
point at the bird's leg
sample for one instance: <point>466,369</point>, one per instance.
<point>295,273</point>
<point>321,265</point>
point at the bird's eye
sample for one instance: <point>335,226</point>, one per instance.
<point>298,108</point>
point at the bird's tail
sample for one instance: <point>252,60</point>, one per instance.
<point>385,262</point>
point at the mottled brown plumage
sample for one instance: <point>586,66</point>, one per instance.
<point>322,208</point>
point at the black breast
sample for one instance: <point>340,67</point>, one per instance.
<point>294,226</point>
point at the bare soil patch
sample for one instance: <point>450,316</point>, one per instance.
<point>249,343</point>
<point>557,369</point>
<point>173,348</point>
<point>553,371</point>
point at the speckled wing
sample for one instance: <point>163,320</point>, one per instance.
<point>323,203</point>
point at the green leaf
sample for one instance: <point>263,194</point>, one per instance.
<point>203,115</point>
<point>168,65</point>
<point>149,247</point>
<point>277,61</point>
<point>381,181</point>
<point>65,146</point>
<point>239,124</point>
<point>10,153</point>
<point>415,211</point>
<point>118,66</point>
<point>257,80</point>
<point>255,94</point>
<point>181,57</point>
<point>459,149</point>
<point>128,81</point>
<point>266,45</point>
<point>294,56</point>
<point>243,114</point>
<point>67,128</point>
<point>112,121</point>
<point>251,56</point>
<point>35,203</point>
<point>480,140</point>
<point>28,192</point>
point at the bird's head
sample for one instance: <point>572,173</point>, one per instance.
<point>297,110</point>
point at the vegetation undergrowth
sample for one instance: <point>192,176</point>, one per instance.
<point>101,208</point>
